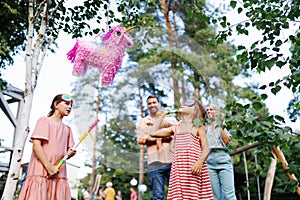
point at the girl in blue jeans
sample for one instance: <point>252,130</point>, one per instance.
<point>219,161</point>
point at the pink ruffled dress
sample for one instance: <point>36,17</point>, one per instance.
<point>57,138</point>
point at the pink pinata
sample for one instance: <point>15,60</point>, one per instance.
<point>107,57</point>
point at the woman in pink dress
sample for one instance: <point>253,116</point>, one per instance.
<point>51,141</point>
<point>189,177</point>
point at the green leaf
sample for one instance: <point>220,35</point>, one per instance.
<point>197,122</point>
<point>189,14</point>
<point>247,106</point>
<point>276,89</point>
<point>256,134</point>
<point>276,49</point>
<point>280,64</point>
<point>279,118</point>
<point>278,43</point>
<point>257,105</point>
<point>239,105</point>
<point>240,47</point>
<point>262,87</point>
<point>233,4</point>
<point>264,96</point>
<point>240,10</point>
<point>297,145</point>
<point>223,24</point>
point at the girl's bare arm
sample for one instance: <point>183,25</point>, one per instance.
<point>197,166</point>
<point>164,132</point>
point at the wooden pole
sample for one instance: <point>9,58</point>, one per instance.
<point>141,174</point>
<point>257,178</point>
<point>247,177</point>
<point>270,178</point>
<point>141,159</point>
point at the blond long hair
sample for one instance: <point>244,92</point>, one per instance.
<point>200,112</point>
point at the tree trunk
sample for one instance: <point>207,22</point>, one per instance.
<point>178,76</point>
<point>173,64</point>
<point>141,159</point>
<point>197,85</point>
<point>92,184</point>
<point>13,174</point>
<point>32,71</point>
<point>175,87</point>
<point>141,174</point>
<point>183,87</point>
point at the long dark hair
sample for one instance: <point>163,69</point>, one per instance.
<point>57,99</point>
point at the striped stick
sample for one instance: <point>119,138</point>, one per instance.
<point>82,137</point>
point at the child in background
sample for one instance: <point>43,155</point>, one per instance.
<point>119,195</point>
<point>51,140</point>
<point>100,193</point>
<point>189,174</point>
<point>133,194</point>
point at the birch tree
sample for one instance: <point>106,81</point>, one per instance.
<point>36,49</point>
<point>45,19</point>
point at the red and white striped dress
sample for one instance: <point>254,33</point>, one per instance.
<point>184,185</point>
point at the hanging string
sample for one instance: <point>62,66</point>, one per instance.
<point>107,17</point>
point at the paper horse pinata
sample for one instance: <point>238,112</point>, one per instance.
<point>107,57</point>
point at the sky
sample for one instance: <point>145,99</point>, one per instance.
<point>56,77</point>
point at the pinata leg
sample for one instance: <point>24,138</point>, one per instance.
<point>78,55</point>
<point>78,68</point>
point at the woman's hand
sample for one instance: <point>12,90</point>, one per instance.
<point>197,167</point>
<point>71,152</point>
<point>52,171</point>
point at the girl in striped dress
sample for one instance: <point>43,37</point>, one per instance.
<point>189,177</point>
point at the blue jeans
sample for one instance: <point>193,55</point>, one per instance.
<point>158,178</point>
<point>221,175</point>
